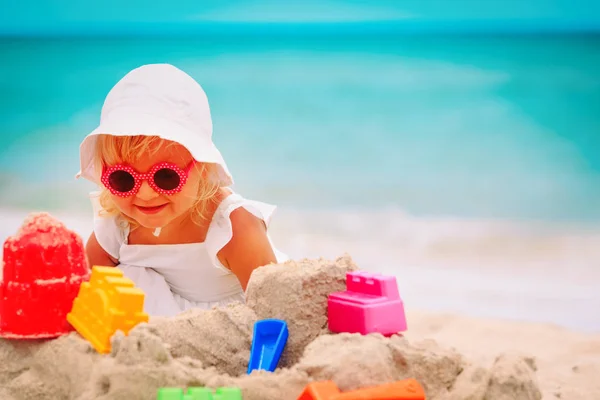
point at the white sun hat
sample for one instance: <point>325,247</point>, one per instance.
<point>156,100</point>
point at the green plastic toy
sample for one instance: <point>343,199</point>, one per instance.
<point>196,393</point>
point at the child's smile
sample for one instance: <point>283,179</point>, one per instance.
<point>151,210</point>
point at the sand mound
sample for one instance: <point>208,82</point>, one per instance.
<point>211,348</point>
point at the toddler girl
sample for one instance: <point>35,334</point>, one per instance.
<point>165,214</point>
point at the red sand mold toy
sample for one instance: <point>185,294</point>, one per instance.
<point>44,265</point>
<point>371,303</point>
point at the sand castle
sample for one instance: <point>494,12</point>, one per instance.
<point>211,349</point>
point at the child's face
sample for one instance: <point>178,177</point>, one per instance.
<point>152,209</point>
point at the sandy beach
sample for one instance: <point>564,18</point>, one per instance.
<point>454,354</point>
<point>567,362</point>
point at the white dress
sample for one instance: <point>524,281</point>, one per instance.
<point>177,277</point>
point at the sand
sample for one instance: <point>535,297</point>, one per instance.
<point>453,357</point>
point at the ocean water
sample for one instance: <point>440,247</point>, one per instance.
<point>469,166</point>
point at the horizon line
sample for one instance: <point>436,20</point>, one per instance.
<point>306,28</point>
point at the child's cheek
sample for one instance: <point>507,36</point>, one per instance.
<point>123,204</point>
<point>187,197</point>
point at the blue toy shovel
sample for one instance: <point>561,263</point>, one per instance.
<point>268,341</point>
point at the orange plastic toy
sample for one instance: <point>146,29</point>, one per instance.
<point>323,390</point>
<point>107,303</point>
<point>408,389</point>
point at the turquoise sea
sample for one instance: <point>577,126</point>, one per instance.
<point>474,126</point>
<point>477,156</point>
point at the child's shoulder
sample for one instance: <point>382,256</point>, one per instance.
<point>240,211</point>
<point>241,230</point>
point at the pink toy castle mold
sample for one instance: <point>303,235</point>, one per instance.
<point>370,304</point>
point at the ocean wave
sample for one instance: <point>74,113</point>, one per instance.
<point>392,237</point>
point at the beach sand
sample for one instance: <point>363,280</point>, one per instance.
<point>453,357</point>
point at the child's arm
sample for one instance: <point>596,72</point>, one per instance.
<point>249,248</point>
<point>96,254</point>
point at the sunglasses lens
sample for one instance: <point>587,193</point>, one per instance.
<point>166,179</point>
<point>121,181</point>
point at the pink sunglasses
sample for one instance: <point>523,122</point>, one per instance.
<point>165,178</point>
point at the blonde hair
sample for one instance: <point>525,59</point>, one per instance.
<point>111,150</point>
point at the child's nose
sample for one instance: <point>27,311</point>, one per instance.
<point>146,192</point>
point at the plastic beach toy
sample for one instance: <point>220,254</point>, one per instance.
<point>107,303</point>
<point>196,393</point>
<point>268,341</point>
<point>408,389</point>
<point>44,265</point>
<point>370,303</point>
<point>322,390</point>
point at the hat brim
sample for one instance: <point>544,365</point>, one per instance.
<point>200,146</point>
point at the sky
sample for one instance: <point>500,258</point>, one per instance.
<point>55,15</point>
